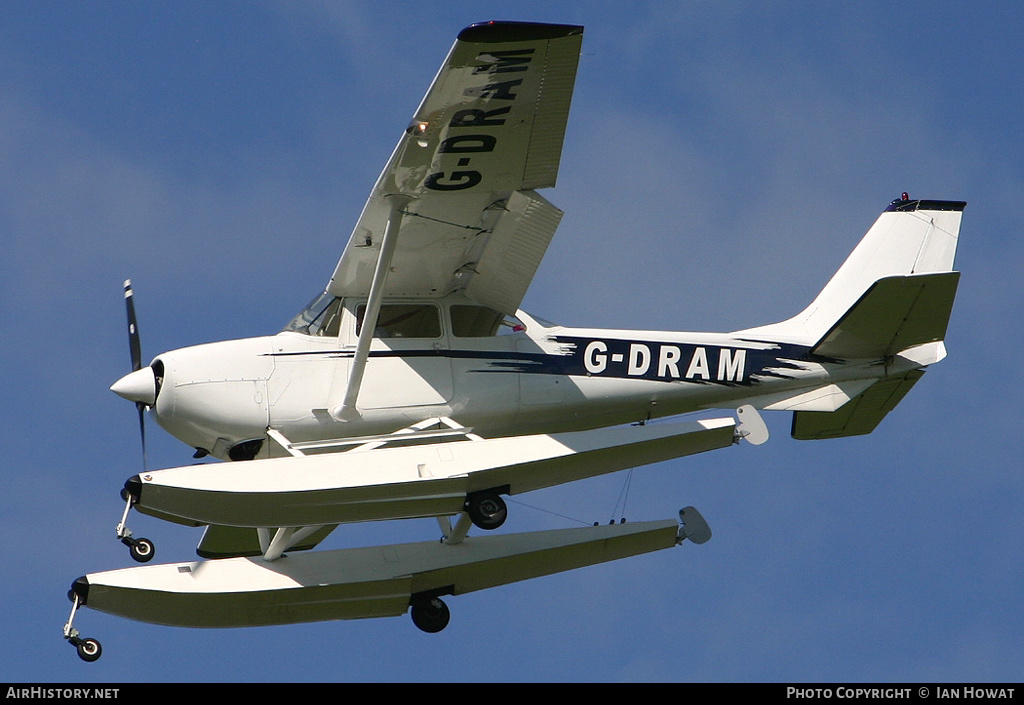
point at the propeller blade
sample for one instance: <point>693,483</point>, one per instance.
<point>135,347</point>
<point>133,329</point>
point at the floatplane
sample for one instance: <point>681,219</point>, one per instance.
<point>414,386</point>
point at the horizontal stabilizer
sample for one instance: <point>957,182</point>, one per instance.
<point>355,583</point>
<point>827,398</point>
<point>858,416</point>
<point>896,313</point>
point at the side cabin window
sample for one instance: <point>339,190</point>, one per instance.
<point>470,321</point>
<point>322,317</point>
<point>404,321</point>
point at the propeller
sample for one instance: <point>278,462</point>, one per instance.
<point>135,347</point>
<point>139,386</point>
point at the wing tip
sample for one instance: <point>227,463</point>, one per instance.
<point>505,31</point>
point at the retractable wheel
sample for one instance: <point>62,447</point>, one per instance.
<point>487,510</point>
<point>430,614</point>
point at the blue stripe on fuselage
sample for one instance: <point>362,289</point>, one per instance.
<point>623,358</point>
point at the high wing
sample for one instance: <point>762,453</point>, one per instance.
<point>461,180</point>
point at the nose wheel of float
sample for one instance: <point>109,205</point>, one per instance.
<point>88,649</point>
<point>141,550</point>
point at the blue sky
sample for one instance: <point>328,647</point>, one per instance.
<point>722,159</point>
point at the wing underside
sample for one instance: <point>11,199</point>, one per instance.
<point>488,132</point>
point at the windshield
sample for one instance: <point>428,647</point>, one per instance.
<point>321,317</point>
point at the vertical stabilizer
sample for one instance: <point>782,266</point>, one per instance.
<point>909,238</point>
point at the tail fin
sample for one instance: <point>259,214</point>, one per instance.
<point>903,265</point>
<point>894,292</point>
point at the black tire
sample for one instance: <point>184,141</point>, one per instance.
<point>430,614</point>
<point>89,649</point>
<point>142,550</point>
<point>487,510</point>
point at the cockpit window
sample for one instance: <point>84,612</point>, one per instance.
<point>470,321</point>
<point>404,321</point>
<point>321,317</point>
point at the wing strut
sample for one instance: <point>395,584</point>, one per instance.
<point>347,411</point>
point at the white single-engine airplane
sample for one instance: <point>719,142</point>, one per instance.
<point>413,386</point>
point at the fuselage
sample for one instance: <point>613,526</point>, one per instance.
<point>453,358</point>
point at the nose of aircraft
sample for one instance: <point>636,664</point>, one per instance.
<point>138,386</point>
